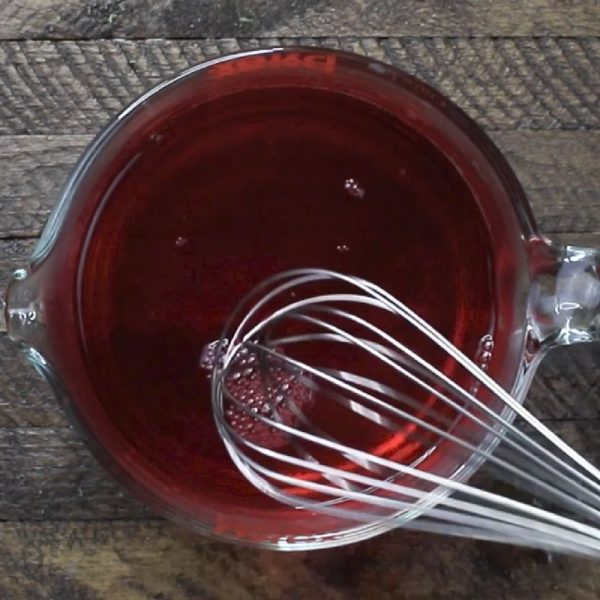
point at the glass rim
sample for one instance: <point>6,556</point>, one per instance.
<point>49,235</point>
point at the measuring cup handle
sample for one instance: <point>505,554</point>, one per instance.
<point>564,295</point>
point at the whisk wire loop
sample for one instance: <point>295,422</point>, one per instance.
<point>293,326</point>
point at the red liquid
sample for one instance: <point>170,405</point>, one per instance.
<point>236,192</point>
<point>213,198</point>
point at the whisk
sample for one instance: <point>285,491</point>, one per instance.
<point>333,397</point>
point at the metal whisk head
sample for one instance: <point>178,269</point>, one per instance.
<point>332,396</point>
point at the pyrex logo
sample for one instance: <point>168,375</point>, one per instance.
<point>317,62</point>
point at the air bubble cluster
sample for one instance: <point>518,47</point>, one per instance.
<point>212,353</point>
<point>354,189</point>
<point>260,389</point>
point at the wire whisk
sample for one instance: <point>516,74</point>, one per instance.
<point>333,397</point>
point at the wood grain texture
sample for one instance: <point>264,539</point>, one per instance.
<point>48,473</point>
<point>559,173</point>
<point>33,168</point>
<point>528,71</point>
<point>25,398</point>
<point>567,385</point>
<point>558,170</point>
<point>532,83</point>
<point>227,18</point>
<point>133,560</point>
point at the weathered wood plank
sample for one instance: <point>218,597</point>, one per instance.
<point>557,169</point>
<point>34,168</point>
<point>25,398</point>
<point>48,473</point>
<point>226,18</point>
<point>532,83</point>
<point>567,384</point>
<point>138,560</point>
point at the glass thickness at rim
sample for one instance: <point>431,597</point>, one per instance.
<point>550,267</point>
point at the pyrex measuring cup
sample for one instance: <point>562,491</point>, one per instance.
<point>245,166</point>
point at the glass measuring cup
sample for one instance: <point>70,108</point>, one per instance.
<point>125,288</point>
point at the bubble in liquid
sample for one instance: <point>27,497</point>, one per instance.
<point>254,388</point>
<point>343,248</point>
<point>181,242</point>
<point>353,188</point>
<point>485,352</point>
<point>487,342</point>
<point>155,136</point>
<point>210,354</point>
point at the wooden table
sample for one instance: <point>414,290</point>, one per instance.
<point>527,71</point>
